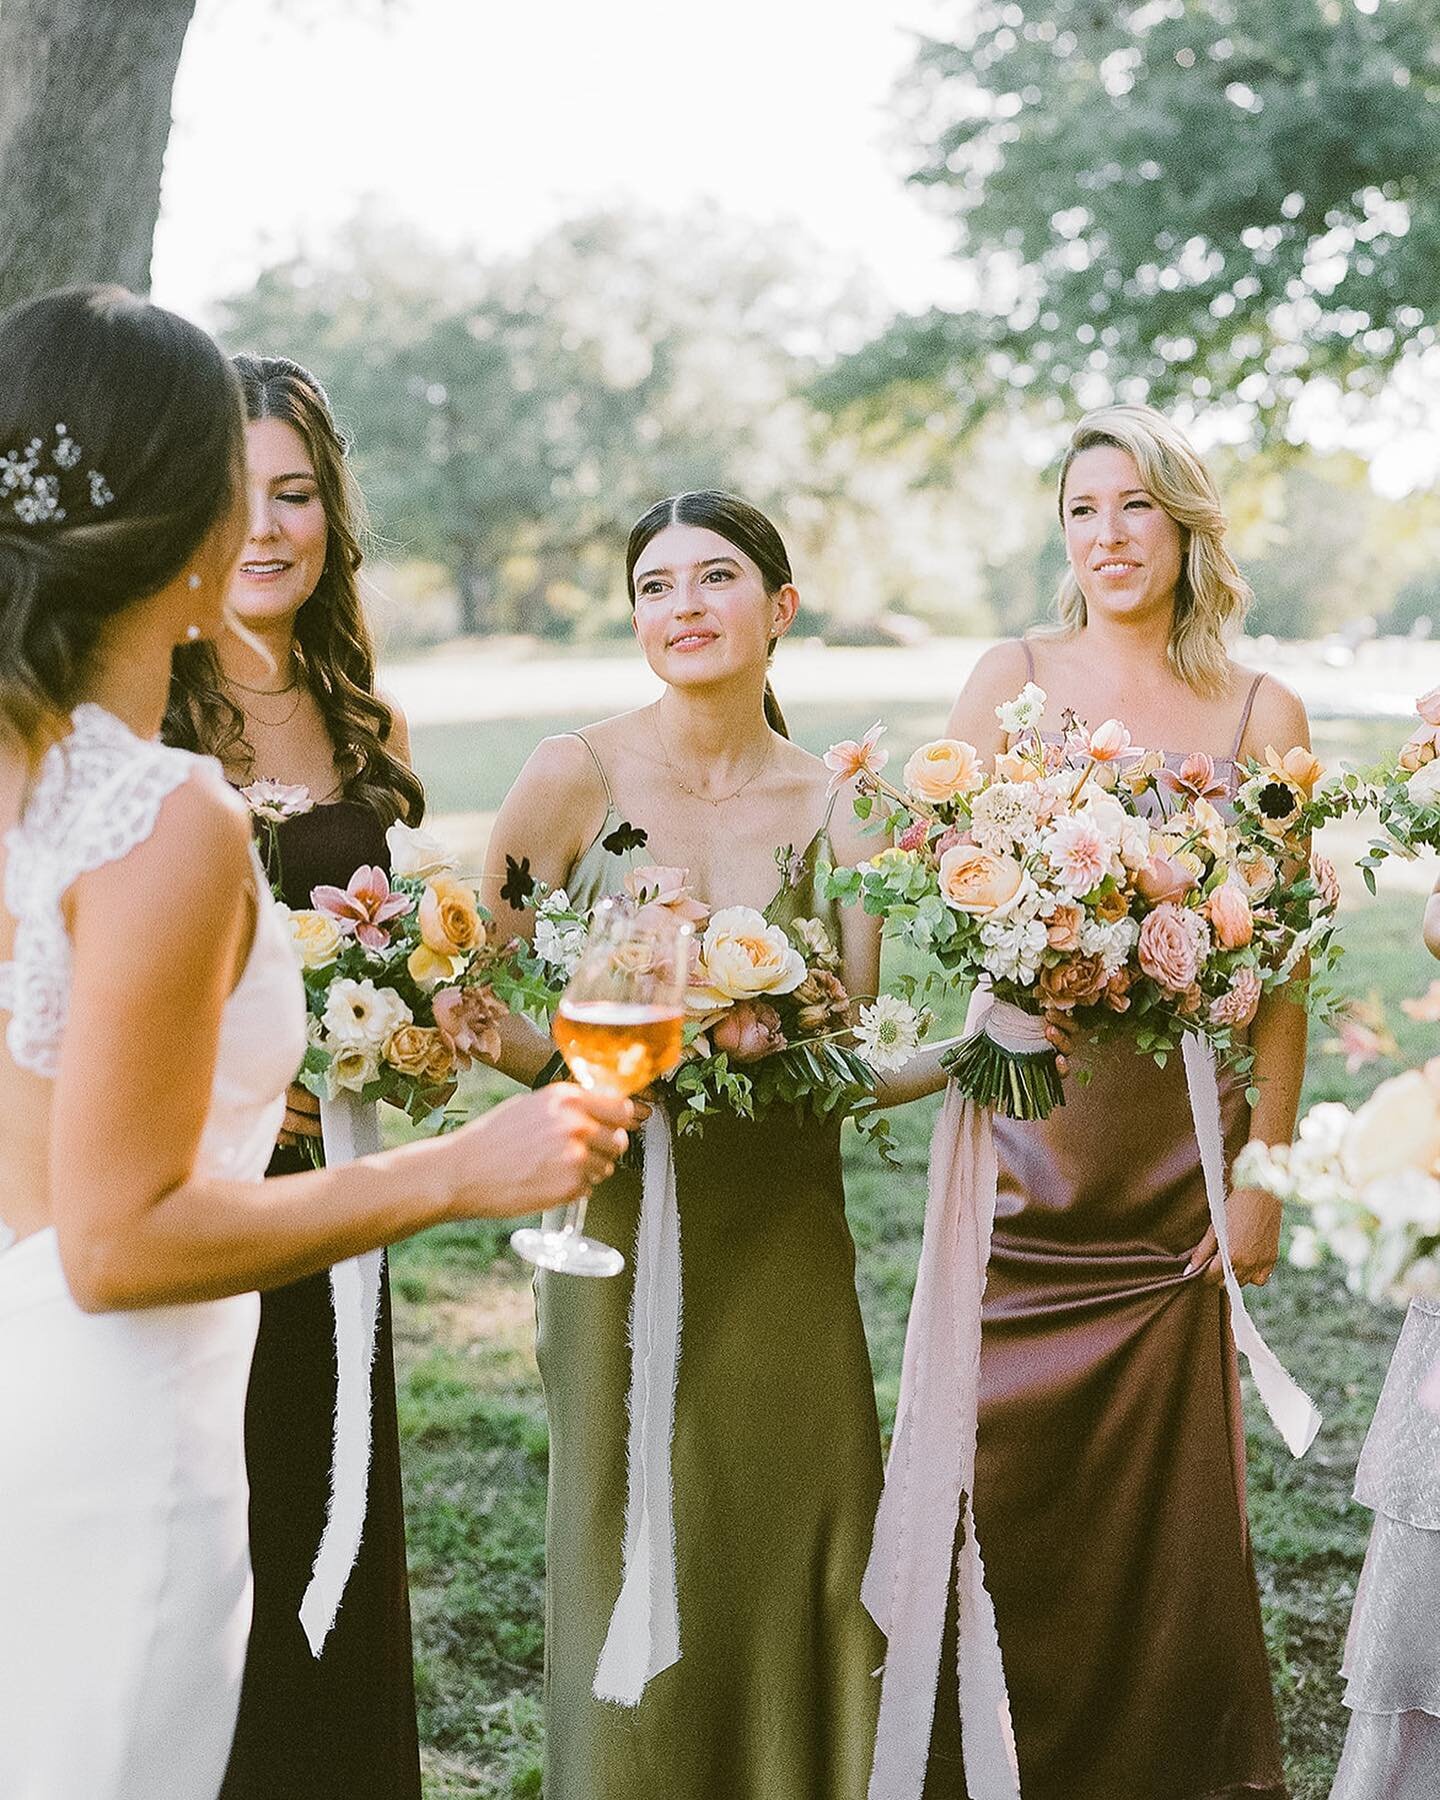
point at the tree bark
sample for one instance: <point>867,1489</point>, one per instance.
<point>85,90</point>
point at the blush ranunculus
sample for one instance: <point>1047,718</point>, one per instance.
<point>973,880</point>
<point>1228,910</point>
<point>943,769</point>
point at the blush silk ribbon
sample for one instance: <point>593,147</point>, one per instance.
<point>931,1472</point>
<point>349,1131</point>
<point>644,1633</point>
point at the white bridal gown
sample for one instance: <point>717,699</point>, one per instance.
<point>124,1565</point>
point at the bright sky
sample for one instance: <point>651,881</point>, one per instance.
<point>485,122</point>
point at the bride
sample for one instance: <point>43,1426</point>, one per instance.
<point>155,1019</point>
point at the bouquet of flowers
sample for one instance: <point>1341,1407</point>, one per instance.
<point>1405,792</point>
<point>769,1019</point>
<point>1369,1180</point>
<point>1088,878</point>
<point>398,973</point>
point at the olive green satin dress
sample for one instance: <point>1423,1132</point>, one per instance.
<point>775,1460</point>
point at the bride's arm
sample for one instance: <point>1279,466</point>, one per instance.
<point>158,940</point>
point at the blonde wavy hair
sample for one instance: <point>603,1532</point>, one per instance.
<point>1212,595</point>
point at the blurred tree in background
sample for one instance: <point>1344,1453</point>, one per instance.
<point>1171,199</point>
<point>512,419</point>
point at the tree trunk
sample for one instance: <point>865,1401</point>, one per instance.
<point>84,118</point>
<point>473,588</point>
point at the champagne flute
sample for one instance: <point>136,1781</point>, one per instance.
<point>620,1024</point>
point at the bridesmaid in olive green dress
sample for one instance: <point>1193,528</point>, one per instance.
<point>775,1457</point>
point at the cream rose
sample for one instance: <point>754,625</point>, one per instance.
<point>977,881</point>
<point>416,853</point>
<point>743,956</point>
<point>317,938</point>
<point>941,770</point>
<point>1397,1128</point>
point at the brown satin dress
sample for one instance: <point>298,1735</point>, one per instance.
<point>1110,1472</point>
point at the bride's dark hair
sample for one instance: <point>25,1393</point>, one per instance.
<point>334,652</point>
<point>740,524</point>
<point>120,451</point>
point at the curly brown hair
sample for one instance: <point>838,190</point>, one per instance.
<point>334,652</point>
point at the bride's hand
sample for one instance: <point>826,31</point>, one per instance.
<point>1252,1220</point>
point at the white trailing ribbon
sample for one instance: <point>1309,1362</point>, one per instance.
<point>644,1634</point>
<point>349,1131</point>
<point>931,1473</point>
<point>1294,1413</point>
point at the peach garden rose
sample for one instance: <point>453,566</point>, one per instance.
<point>973,880</point>
<point>942,770</point>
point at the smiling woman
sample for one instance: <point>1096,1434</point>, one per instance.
<point>294,700</point>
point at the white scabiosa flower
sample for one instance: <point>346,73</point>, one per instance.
<point>1002,817</point>
<point>889,1032</point>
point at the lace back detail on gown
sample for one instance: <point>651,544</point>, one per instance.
<point>97,795</point>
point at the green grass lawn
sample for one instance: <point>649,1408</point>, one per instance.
<point>473,1425</point>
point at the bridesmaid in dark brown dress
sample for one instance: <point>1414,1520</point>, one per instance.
<point>340,1726</point>
<point>1110,1473</point>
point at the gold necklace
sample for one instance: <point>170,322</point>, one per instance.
<point>680,781</point>
<point>274,693</point>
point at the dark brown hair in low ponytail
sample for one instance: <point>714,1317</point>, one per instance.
<point>120,452</point>
<point>740,524</point>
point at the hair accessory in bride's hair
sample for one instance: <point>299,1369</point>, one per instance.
<point>37,496</point>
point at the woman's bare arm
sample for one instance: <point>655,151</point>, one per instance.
<point>158,939</point>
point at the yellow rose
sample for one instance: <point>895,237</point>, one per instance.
<point>427,967</point>
<point>973,880</point>
<point>317,938</point>
<point>450,922</point>
<point>940,770</point>
<point>421,1052</point>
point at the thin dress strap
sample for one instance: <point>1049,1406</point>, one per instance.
<point>599,766</point>
<point>1245,716</point>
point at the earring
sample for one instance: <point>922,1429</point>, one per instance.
<point>193,582</point>
<point>192,634</point>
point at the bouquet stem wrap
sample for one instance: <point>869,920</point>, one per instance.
<point>349,1130</point>
<point>1008,1064</point>
<point>930,1478</point>
<point>644,1634</point>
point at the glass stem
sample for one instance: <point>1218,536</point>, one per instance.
<point>574,1223</point>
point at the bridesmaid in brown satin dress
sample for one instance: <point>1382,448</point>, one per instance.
<point>340,1726</point>
<point>1110,1476</point>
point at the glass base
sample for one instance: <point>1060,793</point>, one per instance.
<point>567,1252</point>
